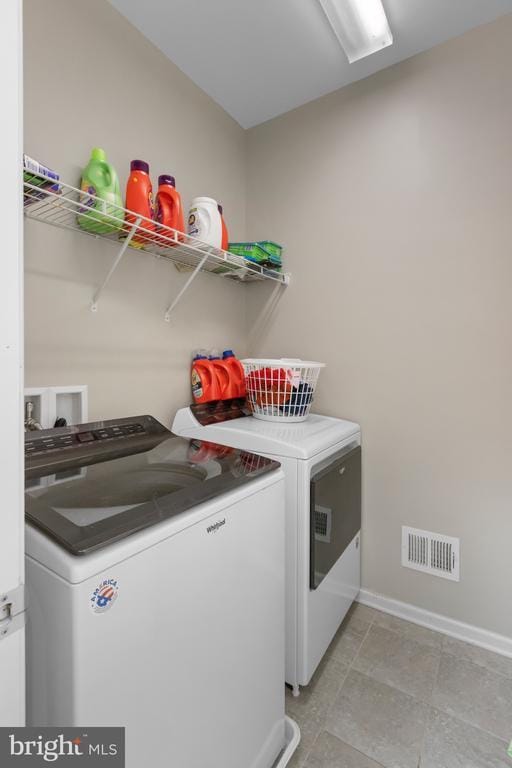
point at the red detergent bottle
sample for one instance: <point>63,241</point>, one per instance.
<point>168,207</point>
<point>236,372</point>
<point>203,378</point>
<point>225,236</point>
<point>139,201</point>
<point>227,389</point>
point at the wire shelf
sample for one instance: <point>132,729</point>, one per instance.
<point>67,207</point>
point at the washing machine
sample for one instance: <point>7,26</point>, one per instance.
<point>155,588</point>
<point>321,461</point>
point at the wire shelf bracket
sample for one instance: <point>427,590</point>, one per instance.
<point>117,261</point>
<point>61,205</point>
<point>171,307</point>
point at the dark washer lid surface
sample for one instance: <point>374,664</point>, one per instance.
<point>109,487</point>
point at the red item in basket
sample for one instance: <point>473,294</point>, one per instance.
<point>265,378</point>
<point>269,386</point>
<point>277,394</point>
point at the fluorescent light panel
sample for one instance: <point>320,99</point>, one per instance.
<point>361,26</point>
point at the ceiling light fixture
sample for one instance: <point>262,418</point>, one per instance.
<point>361,26</point>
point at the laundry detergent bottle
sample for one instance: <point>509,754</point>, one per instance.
<point>223,376</point>
<point>101,204</point>
<point>168,207</point>
<point>225,236</point>
<point>203,378</point>
<point>139,201</point>
<point>204,221</point>
<point>236,372</point>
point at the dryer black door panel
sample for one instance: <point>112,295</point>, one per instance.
<point>335,512</point>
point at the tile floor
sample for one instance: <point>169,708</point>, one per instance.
<point>394,695</point>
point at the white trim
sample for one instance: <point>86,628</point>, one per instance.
<point>491,641</point>
<point>12,664</point>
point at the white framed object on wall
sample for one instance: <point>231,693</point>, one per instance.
<point>70,403</point>
<point>51,403</point>
<point>38,411</point>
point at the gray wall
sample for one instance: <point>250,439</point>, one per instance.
<point>92,80</point>
<point>393,199</point>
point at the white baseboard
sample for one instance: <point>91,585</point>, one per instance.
<point>458,629</point>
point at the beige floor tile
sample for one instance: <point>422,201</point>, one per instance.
<point>493,661</point>
<point>367,704</point>
<point>474,694</point>
<point>322,690</point>
<point>359,618</point>
<point>311,708</point>
<point>329,752</point>
<point>409,630</point>
<point>379,721</point>
<point>310,725</point>
<point>450,743</point>
<point>345,645</point>
<point>297,759</point>
<point>394,659</point>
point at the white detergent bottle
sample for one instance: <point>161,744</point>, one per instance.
<point>205,222</point>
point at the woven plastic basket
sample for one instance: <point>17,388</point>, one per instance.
<point>281,390</point>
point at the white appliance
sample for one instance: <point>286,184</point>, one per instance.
<point>156,589</point>
<point>321,460</point>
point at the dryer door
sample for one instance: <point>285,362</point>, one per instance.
<point>335,511</point>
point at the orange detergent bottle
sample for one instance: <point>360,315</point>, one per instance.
<point>139,201</point>
<point>203,378</point>
<point>227,391</point>
<point>225,236</point>
<point>168,208</point>
<point>236,372</point>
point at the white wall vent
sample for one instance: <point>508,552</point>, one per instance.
<point>431,553</point>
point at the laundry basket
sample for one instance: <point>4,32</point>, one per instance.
<point>280,390</point>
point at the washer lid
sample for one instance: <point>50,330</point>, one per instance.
<point>299,440</point>
<point>87,506</point>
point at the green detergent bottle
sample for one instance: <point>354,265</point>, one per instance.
<point>101,204</point>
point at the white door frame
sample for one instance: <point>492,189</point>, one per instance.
<point>12,648</point>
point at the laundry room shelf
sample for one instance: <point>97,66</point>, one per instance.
<point>64,206</point>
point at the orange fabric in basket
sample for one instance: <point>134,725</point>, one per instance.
<point>276,394</point>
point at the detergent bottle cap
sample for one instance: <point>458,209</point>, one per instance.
<point>214,354</point>
<point>166,179</point>
<point>98,154</point>
<point>228,353</point>
<point>203,200</point>
<point>220,209</point>
<point>200,354</point>
<point>139,165</point>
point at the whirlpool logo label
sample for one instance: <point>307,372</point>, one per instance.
<point>215,526</point>
<point>65,746</point>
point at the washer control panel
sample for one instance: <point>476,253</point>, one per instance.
<point>37,443</point>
